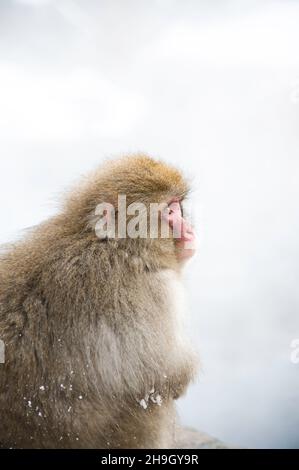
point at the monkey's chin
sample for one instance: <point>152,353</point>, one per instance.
<point>185,250</point>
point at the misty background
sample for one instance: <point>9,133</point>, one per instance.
<point>213,87</point>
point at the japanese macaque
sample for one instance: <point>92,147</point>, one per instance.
<point>95,352</point>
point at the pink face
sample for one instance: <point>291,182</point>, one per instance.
<point>183,232</point>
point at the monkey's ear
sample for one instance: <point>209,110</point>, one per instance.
<point>103,221</point>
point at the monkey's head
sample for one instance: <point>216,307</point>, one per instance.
<point>137,202</point>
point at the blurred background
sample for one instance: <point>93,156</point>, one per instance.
<point>212,86</point>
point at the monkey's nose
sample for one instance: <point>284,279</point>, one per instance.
<point>188,233</point>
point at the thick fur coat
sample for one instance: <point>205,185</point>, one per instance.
<point>95,352</point>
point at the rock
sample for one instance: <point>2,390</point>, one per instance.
<point>187,438</point>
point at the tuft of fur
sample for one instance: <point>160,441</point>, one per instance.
<point>94,352</point>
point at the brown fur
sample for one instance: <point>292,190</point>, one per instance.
<point>87,325</point>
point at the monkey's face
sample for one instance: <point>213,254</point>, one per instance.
<point>182,231</point>
<point>136,202</point>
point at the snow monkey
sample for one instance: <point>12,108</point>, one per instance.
<point>95,354</point>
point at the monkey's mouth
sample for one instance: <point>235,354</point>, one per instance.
<point>187,242</point>
<point>188,235</point>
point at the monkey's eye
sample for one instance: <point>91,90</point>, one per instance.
<point>174,209</point>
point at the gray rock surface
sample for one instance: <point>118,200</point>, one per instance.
<point>187,438</point>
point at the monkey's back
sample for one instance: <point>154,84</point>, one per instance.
<point>91,341</point>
